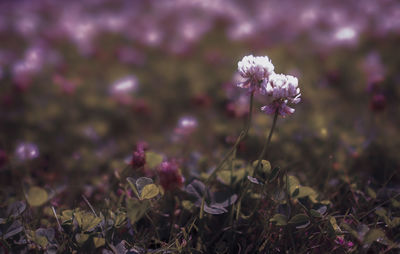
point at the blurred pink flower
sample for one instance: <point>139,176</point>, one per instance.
<point>26,151</point>
<point>170,175</point>
<point>139,156</point>
<point>377,103</point>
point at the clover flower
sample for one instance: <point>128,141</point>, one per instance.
<point>170,175</point>
<point>284,90</point>
<point>139,156</point>
<point>26,151</point>
<point>256,70</point>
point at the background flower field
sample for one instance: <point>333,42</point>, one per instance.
<point>115,115</point>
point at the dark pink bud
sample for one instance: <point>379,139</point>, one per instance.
<point>3,158</point>
<point>170,175</point>
<point>377,103</point>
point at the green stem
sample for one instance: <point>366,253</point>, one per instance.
<point>241,137</point>
<point>265,148</point>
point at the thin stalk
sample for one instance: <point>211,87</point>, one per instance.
<point>241,137</point>
<point>262,155</point>
<point>266,145</point>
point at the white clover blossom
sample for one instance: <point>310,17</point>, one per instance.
<point>284,90</point>
<point>256,70</point>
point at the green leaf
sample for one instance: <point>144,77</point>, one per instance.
<point>315,213</point>
<point>225,176</point>
<point>373,235</point>
<point>41,240</point>
<point>395,203</point>
<point>98,242</point>
<point>371,193</point>
<point>66,216</point>
<point>141,183</point>
<point>36,196</point>
<point>381,212</point>
<point>318,213</point>
<point>395,222</point>
<point>349,229</point>
<point>265,166</point>
<point>153,159</point>
<point>136,209</point>
<point>149,191</point>
<point>334,225</point>
<point>300,220</point>
<point>87,221</point>
<point>279,220</point>
<point>81,238</point>
<point>188,205</point>
<point>293,185</point>
<point>305,191</point>
<point>120,220</point>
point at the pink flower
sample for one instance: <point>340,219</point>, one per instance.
<point>283,109</point>
<point>26,151</point>
<point>139,155</point>
<point>170,175</point>
<point>255,70</point>
<point>283,90</point>
<point>377,103</point>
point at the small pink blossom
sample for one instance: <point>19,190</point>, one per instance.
<point>170,175</point>
<point>139,156</point>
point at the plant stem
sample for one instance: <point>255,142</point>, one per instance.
<point>241,137</point>
<point>265,148</point>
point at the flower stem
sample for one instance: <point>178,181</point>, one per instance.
<point>241,137</point>
<point>265,148</point>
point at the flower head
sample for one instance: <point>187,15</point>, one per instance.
<point>139,155</point>
<point>284,90</point>
<point>255,70</point>
<point>27,151</point>
<point>170,175</point>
